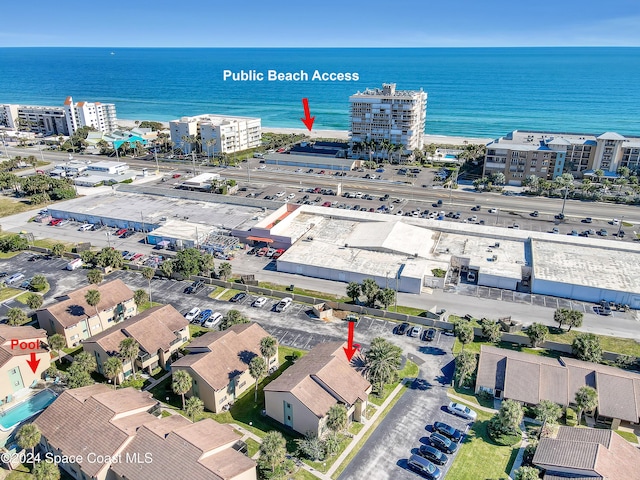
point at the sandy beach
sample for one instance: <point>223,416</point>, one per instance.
<point>342,134</point>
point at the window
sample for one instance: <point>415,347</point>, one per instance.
<point>222,400</point>
<point>242,384</point>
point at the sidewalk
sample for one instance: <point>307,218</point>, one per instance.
<point>155,382</point>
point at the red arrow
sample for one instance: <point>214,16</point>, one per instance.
<point>308,119</point>
<point>349,350</point>
<point>33,362</point>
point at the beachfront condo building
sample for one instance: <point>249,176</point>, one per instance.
<point>59,120</point>
<point>215,134</point>
<point>389,115</point>
<point>548,155</point>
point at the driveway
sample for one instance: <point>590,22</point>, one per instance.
<point>385,455</point>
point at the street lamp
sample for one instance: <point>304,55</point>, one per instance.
<point>620,227</point>
<point>564,200</point>
<point>451,183</point>
<point>108,234</point>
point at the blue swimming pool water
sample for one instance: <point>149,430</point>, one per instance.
<point>14,415</point>
<point>450,156</point>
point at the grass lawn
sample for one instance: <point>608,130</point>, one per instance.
<point>9,206</point>
<point>366,436</point>
<point>609,344</point>
<point>8,292</point>
<point>470,397</point>
<point>216,291</point>
<point>302,291</point>
<point>252,446</point>
<point>196,331</point>
<point>410,370</point>
<point>48,243</point>
<point>355,427</point>
<point>479,457</point>
<point>628,436</point>
<point>73,351</point>
<point>229,293</point>
<point>302,474</point>
<point>407,310</point>
<point>147,305</point>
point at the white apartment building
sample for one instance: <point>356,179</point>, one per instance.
<point>59,120</point>
<point>101,116</point>
<point>397,116</point>
<point>217,133</point>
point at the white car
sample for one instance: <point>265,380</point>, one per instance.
<point>259,302</point>
<point>191,314</point>
<point>213,320</point>
<point>85,227</point>
<point>358,194</point>
<point>415,331</point>
<point>462,411</point>
<point>493,210</point>
<point>280,194</point>
<point>284,304</point>
<point>291,196</point>
<point>615,221</point>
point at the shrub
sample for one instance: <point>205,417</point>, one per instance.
<point>136,381</point>
<point>571,417</point>
<point>485,397</point>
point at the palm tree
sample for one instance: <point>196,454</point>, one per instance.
<point>148,273</point>
<point>46,471</point>
<point>129,349</point>
<point>586,400</point>
<point>337,418</point>
<point>95,276</point>
<point>210,143</point>
<point>185,141</point>
<point>181,383</point>
<point>57,342</point>
<point>268,347</point>
<point>224,270</point>
<point>28,437</point>
<point>193,408</point>
<point>382,361</point>
<point>85,361</point>
<point>257,369</point>
<point>112,369</point>
<point>92,297</point>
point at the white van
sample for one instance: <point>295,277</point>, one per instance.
<point>14,278</point>
<point>85,227</point>
<point>75,263</point>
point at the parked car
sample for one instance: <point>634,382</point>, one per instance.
<point>462,411</point>
<point>55,221</point>
<point>448,431</point>
<point>237,297</point>
<point>121,231</point>
<point>85,227</point>
<point>203,316</point>
<point>213,320</point>
<point>442,443</point>
<point>402,328</point>
<point>603,233</point>
<point>415,331</point>
<point>534,213</point>
<point>587,220</point>
<point>263,251</point>
<point>493,210</point>
<point>259,302</point>
<point>14,278</point>
<point>192,314</point>
<point>284,304</point>
<point>423,467</point>
<point>195,287</point>
<point>429,335</point>
<point>270,252</point>
<point>278,253</point>
<point>127,234</point>
<point>559,216</point>
<point>477,208</point>
<point>433,454</point>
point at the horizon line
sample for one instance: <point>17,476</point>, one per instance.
<point>319,47</point>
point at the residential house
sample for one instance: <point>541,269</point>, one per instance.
<point>218,362</point>
<point>160,331</point>
<point>301,397</point>
<point>76,320</point>
<point>532,378</point>
<point>587,453</point>
<point>15,373</point>
<point>107,434</point>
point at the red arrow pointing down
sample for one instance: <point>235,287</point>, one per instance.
<point>350,350</point>
<point>33,362</point>
<point>308,119</point>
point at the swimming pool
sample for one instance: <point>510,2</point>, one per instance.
<point>448,155</point>
<point>27,409</point>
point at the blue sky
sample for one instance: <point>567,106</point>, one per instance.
<point>328,23</point>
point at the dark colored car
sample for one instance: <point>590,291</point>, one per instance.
<point>127,234</point>
<point>429,335</point>
<point>195,287</point>
<point>448,431</point>
<point>33,258</point>
<point>442,443</point>
<point>423,467</point>
<point>3,274</point>
<point>237,297</point>
<point>125,253</point>
<point>402,328</point>
<point>559,216</point>
<point>433,455</point>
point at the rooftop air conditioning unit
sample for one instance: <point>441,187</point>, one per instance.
<point>495,257</point>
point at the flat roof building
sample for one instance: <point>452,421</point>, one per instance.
<point>216,133</point>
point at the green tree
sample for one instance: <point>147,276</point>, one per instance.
<point>353,291</point>
<point>28,437</point>
<point>129,349</point>
<point>575,319</point>
<point>167,268</point>
<point>224,270</point>
<point>181,383</point>
<point>586,346</point>
<point>268,347</point>
<point>382,361</point>
<point>39,283</point>
<point>34,301</point>
<point>194,408</point>
<point>86,361</point>
<point>257,369</point>
<point>527,473</point>
<point>140,297</point>
<point>208,264</point>
<point>509,416</point>
<point>548,411</point>
<point>16,316</point>
<point>370,289</point>
<point>273,450</point>
<point>337,418</point>
<point>57,342</point>
<point>45,470</point>
<point>187,262</point>
<point>561,316</point>
<point>537,334</point>
<point>88,257</point>
<point>311,447</point>
<point>78,376</point>
<point>466,363</point>
<point>491,331</point>
<point>57,249</point>
<point>108,257</point>
<point>586,400</point>
<point>148,273</point>
<point>463,332</point>
<point>112,369</point>
<point>95,276</point>
<point>13,243</point>
<point>92,297</point>
<point>233,317</point>
<point>386,296</point>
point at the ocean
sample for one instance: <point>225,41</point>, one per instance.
<point>483,92</point>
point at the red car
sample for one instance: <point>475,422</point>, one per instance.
<point>326,204</point>
<point>175,175</point>
<point>136,257</point>
<point>121,231</point>
<point>321,172</point>
<point>278,253</point>
<point>55,222</point>
<point>263,251</point>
